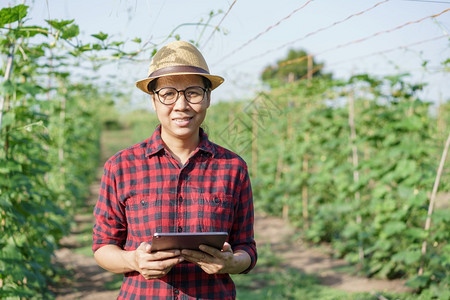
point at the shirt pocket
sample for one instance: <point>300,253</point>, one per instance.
<point>213,212</point>
<point>144,217</point>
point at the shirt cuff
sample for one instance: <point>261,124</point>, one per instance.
<point>251,250</point>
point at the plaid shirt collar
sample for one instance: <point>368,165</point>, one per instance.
<point>155,144</point>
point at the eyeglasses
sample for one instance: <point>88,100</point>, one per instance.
<point>170,95</point>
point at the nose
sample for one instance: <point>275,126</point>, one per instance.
<point>181,103</point>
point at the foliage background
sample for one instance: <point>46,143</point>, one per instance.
<point>300,140</point>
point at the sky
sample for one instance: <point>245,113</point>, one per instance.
<point>383,37</point>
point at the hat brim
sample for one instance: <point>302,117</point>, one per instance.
<point>214,79</point>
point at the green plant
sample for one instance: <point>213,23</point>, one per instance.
<point>364,192</point>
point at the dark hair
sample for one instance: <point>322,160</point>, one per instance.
<point>207,83</point>
<point>152,84</point>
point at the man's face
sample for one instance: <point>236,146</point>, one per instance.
<point>180,120</point>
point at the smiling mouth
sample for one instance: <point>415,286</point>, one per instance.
<point>182,122</point>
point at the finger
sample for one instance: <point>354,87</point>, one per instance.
<point>159,268</point>
<point>161,255</point>
<point>210,250</point>
<point>152,274</point>
<point>195,256</point>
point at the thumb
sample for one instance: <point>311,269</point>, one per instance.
<point>146,247</point>
<point>226,247</point>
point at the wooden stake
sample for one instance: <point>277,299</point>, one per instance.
<point>305,170</point>
<point>309,74</point>
<point>279,169</point>
<point>355,162</point>
<point>254,143</point>
<point>310,67</point>
<point>62,119</point>
<point>305,212</point>
<point>432,199</point>
<point>289,137</point>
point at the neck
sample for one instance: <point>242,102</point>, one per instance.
<point>181,149</point>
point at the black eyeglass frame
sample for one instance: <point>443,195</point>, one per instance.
<point>205,90</point>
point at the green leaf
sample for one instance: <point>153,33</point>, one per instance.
<point>86,47</point>
<point>416,233</point>
<point>8,119</point>
<point>418,282</point>
<point>408,257</point>
<point>394,227</point>
<point>29,88</point>
<point>67,32</point>
<point>70,32</point>
<point>59,25</point>
<point>441,216</point>
<point>12,14</point>
<point>7,87</point>
<point>11,166</point>
<point>117,44</point>
<point>137,40</point>
<point>96,47</point>
<point>405,167</point>
<point>101,36</point>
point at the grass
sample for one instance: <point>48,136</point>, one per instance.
<point>271,279</point>
<point>113,141</point>
<point>115,283</point>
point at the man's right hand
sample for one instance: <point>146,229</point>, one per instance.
<point>157,264</point>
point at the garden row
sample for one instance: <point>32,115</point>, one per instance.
<point>352,164</point>
<point>49,148</point>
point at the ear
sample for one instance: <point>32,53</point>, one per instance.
<point>208,98</point>
<point>153,99</point>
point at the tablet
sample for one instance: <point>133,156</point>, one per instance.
<point>188,240</point>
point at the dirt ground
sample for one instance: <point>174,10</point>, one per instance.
<point>88,279</point>
<point>317,261</point>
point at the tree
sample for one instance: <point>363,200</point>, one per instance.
<point>297,65</point>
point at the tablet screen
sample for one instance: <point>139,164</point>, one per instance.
<point>188,240</point>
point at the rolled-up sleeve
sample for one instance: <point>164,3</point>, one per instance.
<point>110,226</point>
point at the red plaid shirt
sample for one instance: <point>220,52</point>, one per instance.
<point>145,190</point>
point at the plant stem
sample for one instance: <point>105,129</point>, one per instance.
<point>8,72</point>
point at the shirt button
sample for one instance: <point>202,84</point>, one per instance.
<point>217,200</point>
<point>180,199</point>
<point>180,229</point>
<point>176,291</point>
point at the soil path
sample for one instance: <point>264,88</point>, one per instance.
<point>317,261</point>
<point>87,279</point>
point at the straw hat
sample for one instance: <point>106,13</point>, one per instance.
<point>178,58</point>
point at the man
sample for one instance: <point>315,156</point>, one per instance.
<point>175,181</point>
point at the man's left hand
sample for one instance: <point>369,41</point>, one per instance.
<point>214,261</point>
